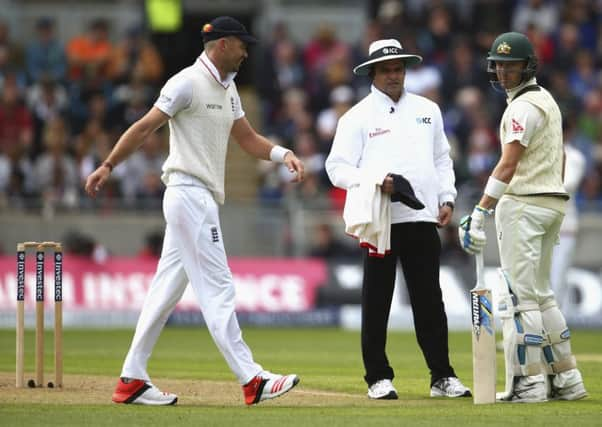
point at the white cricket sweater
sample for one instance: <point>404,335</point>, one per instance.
<point>200,129</point>
<point>539,171</point>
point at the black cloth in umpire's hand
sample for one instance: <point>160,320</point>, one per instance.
<point>404,193</point>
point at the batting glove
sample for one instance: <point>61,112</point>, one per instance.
<point>472,232</point>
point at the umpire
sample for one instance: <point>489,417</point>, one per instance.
<point>401,134</point>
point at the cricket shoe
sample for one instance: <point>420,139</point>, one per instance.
<point>568,385</point>
<point>268,386</point>
<point>528,389</point>
<point>382,389</point>
<point>142,393</point>
<point>449,387</point>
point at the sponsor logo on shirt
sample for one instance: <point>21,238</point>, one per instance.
<point>516,127</point>
<point>378,132</point>
<point>214,235</point>
<point>423,120</point>
<point>164,99</point>
<point>233,104</point>
<point>213,106</point>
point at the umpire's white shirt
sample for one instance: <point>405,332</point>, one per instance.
<point>404,137</point>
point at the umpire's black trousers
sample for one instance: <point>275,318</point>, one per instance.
<point>418,247</point>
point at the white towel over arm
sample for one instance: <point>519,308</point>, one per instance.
<point>367,214</point>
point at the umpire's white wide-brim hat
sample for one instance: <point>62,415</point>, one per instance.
<point>385,50</point>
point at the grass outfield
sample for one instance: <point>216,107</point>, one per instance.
<point>331,391</point>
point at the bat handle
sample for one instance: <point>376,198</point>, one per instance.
<point>480,267</point>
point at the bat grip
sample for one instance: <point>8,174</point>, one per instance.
<point>480,268</point>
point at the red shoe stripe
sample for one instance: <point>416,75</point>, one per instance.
<point>278,385</point>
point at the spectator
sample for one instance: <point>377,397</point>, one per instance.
<point>583,77</point>
<point>311,189</point>
<point>566,44</point>
<point>55,169</point>
<point>140,174</point>
<point>88,54</point>
<point>46,100</point>
<point>11,58</point>
<point>16,125</point>
<point>293,117</point>
<point>326,61</point>
<point>135,54</point>
<point>132,100</point>
<point>542,14</point>
<point>461,70</point>
<point>341,100</point>
<point>435,41</point>
<point>45,55</point>
<point>589,122</point>
<point>279,69</point>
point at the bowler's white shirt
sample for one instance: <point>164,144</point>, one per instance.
<point>404,137</point>
<point>176,95</point>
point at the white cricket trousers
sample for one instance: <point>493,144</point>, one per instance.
<point>193,250</point>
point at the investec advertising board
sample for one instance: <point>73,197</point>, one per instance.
<point>269,291</point>
<point>112,293</point>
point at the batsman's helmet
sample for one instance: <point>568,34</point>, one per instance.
<point>512,47</point>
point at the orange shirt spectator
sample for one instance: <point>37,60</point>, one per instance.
<point>88,54</point>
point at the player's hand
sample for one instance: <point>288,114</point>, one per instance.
<point>294,165</point>
<point>472,232</point>
<point>387,185</point>
<point>445,215</point>
<point>96,180</point>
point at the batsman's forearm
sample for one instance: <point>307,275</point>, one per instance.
<point>502,172</point>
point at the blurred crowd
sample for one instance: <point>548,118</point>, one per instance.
<point>62,107</point>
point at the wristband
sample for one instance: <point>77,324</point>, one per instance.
<point>483,210</point>
<point>495,188</point>
<point>108,164</point>
<point>277,153</point>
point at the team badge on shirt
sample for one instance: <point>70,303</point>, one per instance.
<point>516,127</point>
<point>214,235</point>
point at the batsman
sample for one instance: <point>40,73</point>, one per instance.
<point>527,185</point>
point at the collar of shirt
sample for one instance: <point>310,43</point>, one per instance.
<point>512,92</point>
<point>204,60</point>
<point>385,100</point>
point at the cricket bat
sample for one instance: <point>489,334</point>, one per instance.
<point>483,339</point>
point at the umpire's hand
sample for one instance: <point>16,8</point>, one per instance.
<point>294,165</point>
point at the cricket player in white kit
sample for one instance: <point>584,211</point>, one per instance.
<point>202,106</point>
<point>531,200</point>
